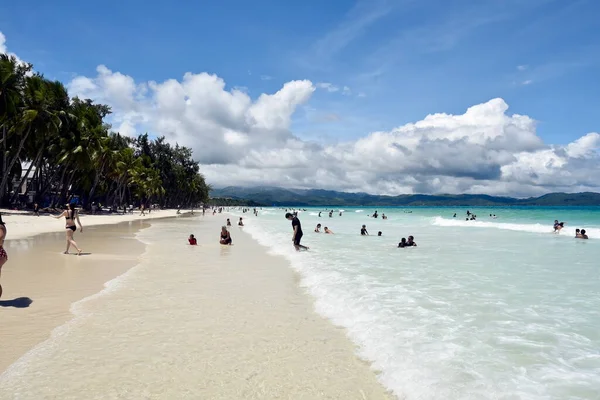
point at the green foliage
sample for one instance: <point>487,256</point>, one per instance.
<point>69,149</point>
<point>268,196</point>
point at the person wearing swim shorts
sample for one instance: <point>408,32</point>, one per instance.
<point>3,255</point>
<point>71,216</point>
<point>297,227</point>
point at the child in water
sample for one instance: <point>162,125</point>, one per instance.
<point>192,240</point>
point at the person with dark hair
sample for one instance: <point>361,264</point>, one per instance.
<point>363,231</point>
<point>3,255</point>
<point>558,226</point>
<point>36,209</point>
<point>583,235</point>
<point>411,242</point>
<point>379,233</point>
<point>318,228</point>
<point>192,240</point>
<point>225,236</point>
<point>297,236</point>
<point>71,215</point>
<point>402,242</point>
<point>240,223</point>
<point>327,230</point>
<point>228,222</point>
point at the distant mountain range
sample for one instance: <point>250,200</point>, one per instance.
<point>274,196</point>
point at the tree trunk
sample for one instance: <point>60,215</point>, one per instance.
<point>6,174</point>
<point>49,182</point>
<point>24,178</point>
<point>96,181</point>
<point>61,184</point>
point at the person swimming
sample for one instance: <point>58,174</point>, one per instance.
<point>383,216</point>
<point>318,228</point>
<point>192,240</point>
<point>327,230</point>
<point>402,242</point>
<point>411,241</point>
<point>583,235</point>
<point>225,236</point>
<point>228,222</point>
<point>558,226</point>
<point>363,231</point>
<point>379,233</point>
<point>240,223</point>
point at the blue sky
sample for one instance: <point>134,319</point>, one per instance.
<point>370,66</point>
<point>409,58</point>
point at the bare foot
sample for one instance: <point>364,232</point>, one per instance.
<point>79,252</point>
<point>66,252</point>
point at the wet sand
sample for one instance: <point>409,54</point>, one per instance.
<point>40,283</point>
<point>188,322</point>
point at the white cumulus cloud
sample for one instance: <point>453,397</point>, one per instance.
<point>240,140</point>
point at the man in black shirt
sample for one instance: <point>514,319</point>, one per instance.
<point>297,236</point>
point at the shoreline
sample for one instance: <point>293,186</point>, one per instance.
<point>22,225</point>
<point>41,284</point>
<point>255,320</point>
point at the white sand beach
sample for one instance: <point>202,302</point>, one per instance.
<point>187,322</point>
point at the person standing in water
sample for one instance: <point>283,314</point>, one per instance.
<point>363,231</point>
<point>71,215</point>
<point>3,255</point>
<point>297,236</point>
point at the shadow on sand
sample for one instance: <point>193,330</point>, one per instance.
<point>20,302</point>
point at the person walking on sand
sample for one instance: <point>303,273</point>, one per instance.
<point>36,209</point>
<point>3,255</point>
<point>71,215</point>
<point>142,208</point>
<point>297,236</point>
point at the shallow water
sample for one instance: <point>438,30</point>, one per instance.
<point>489,309</point>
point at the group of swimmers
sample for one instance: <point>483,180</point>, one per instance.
<point>579,233</point>
<point>297,232</point>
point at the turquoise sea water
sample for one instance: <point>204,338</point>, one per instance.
<point>489,309</point>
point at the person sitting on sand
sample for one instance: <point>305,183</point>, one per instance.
<point>327,230</point>
<point>363,231</point>
<point>402,242</point>
<point>240,223</point>
<point>225,236</point>
<point>71,215</point>
<point>411,242</point>
<point>228,222</point>
<point>3,255</point>
<point>192,240</point>
<point>558,226</point>
<point>318,228</point>
<point>583,235</point>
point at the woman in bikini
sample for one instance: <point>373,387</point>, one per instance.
<point>3,256</point>
<point>71,215</point>
<point>225,236</point>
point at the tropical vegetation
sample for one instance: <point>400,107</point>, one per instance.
<point>273,196</point>
<point>59,149</point>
